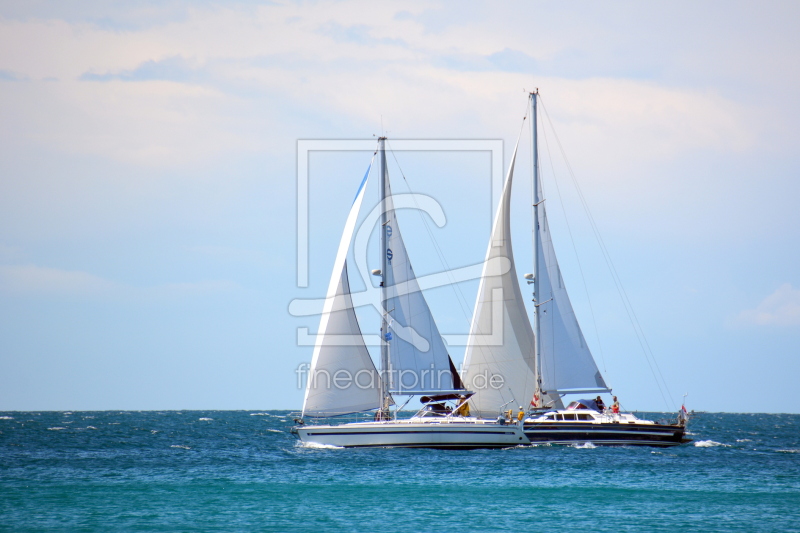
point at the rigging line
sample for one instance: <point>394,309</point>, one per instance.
<point>575,250</point>
<point>457,290</point>
<point>440,254</point>
<point>638,330</point>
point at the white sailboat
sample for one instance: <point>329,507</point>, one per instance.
<point>414,360</point>
<point>536,366</point>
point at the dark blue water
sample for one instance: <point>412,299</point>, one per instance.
<point>238,471</point>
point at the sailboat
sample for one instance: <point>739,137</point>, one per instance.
<point>414,361</point>
<point>541,364</point>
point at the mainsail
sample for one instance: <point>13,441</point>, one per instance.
<point>342,377</point>
<point>418,358</point>
<point>565,360</point>
<point>499,360</point>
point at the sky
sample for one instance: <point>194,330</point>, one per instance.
<point>150,209</point>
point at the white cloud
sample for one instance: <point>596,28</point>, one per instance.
<point>344,64</point>
<point>781,308</point>
<point>33,279</point>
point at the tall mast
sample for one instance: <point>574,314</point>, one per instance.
<point>537,364</point>
<point>384,264</point>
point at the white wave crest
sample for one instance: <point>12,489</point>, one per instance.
<point>207,419</point>
<point>260,414</point>
<point>275,430</point>
<point>743,440</point>
<point>6,418</point>
<point>180,446</point>
<point>56,428</point>
<point>584,446</point>
<point>90,427</point>
<point>789,451</point>
<point>318,446</point>
<point>709,444</point>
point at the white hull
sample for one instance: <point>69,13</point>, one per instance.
<point>416,433</point>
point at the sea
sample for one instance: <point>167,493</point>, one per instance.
<point>246,471</point>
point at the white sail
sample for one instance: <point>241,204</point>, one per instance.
<point>565,360</point>
<point>499,360</point>
<point>342,378</point>
<point>418,358</point>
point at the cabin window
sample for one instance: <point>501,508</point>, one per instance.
<point>570,416</point>
<point>585,416</point>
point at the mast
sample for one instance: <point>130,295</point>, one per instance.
<point>384,296</point>
<point>536,201</point>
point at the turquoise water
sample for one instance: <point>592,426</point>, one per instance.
<point>241,471</point>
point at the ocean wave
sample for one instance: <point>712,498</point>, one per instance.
<point>260,414</point>
<point>789,451</point>
<point>180,446</point>
<point>206,419</point>
<point>56,428</point>
<point>275,430</point>
<point>90,427</point>
<point>6,418</point>
<point>517,447</point>
<point>584,446</point>
<point>318,446</point>
<point>743,440</point>
<point>709,444</point>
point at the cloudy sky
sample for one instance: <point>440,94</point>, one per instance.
<point>149,186</point>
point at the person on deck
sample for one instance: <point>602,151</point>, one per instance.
<point>600,405</point>
<point>463,409</point>
<point>521,414</point>
<point>615,406</point>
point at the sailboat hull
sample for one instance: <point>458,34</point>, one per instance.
<point>411,434</point>
<point>605,434</point>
